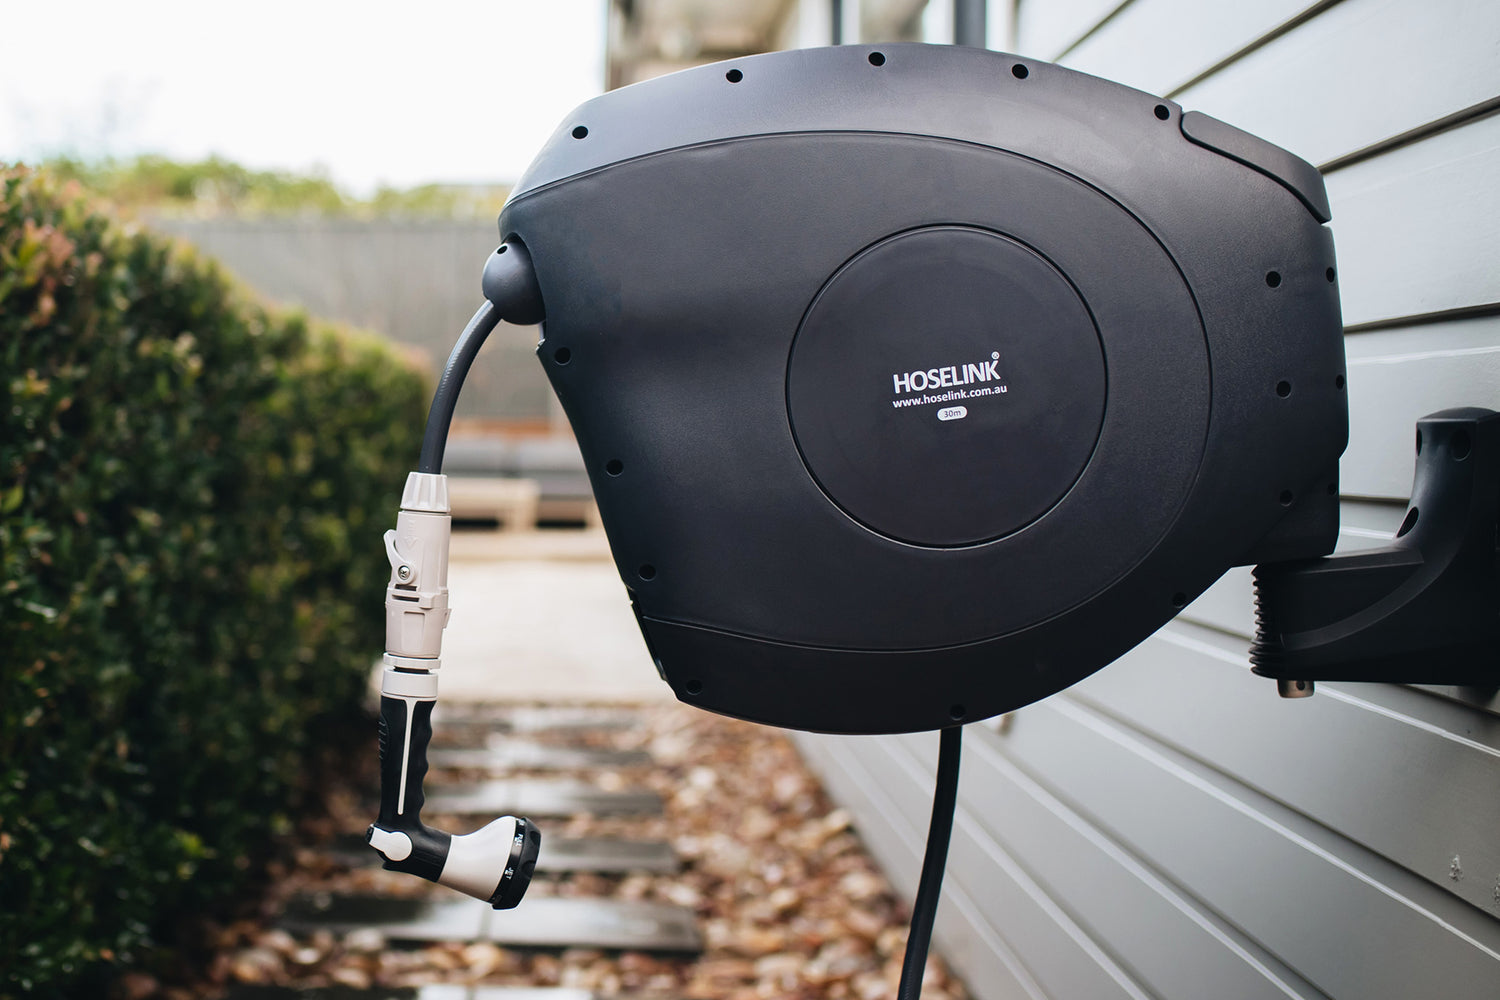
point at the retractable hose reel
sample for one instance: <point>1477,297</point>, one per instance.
<point>914,384</point>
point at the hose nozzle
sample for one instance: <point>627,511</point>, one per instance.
<point>494,863</point>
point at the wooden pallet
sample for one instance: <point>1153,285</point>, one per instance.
<point>512,503</point>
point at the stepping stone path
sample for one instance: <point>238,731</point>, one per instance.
<point>449,720</point>
<point>504,754</point>
<point>538,923</point>
<point>552,923</point>
<point>684,856</point>
<point>539,799</point>
<point>607,854</point>
<point>439,991</point>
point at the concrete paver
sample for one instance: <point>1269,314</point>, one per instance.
<point>607,854</point>
<point>546,922</point>
<point>435,991</point>
<point>542,616</point>
<point>543,798</point>
<point>516,754</point>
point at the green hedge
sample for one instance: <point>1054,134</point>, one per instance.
<point>192,494</point>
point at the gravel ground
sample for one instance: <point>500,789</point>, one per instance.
<point>789,903</point>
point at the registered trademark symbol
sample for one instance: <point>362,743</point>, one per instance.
<point>995,355</point>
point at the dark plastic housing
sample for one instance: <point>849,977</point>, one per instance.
<point>767,302</point>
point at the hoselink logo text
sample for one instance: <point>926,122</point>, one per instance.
<point>950,375</point>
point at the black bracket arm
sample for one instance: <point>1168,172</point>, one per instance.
<point>1423,610</point>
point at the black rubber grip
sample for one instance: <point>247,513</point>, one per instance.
<point>429,847</point>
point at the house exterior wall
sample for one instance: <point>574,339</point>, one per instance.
<point>1169,828</point>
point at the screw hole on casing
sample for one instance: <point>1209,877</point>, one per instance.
<point>1163,112</point>
<point>1338,381</point>
<point>957,712</point>
<point>877,58</point>
<point>562,355</point>
<point>1460,445</point>
<point>1407,523</point>
<point>1273,279</point>
<point>1179,600</point>
<point>1287,496</point>
<point>734,76</point>
<point>614,467</point>
<point>1019,72</point>
<point>647,572</point>
<point>502,248</point>
<point>580,131</point>
<point>1330,274</point>
<point>694,686</point>
<point>1300,685</point>
<point>1283,388</point>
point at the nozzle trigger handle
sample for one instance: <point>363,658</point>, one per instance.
<point>494,863</point>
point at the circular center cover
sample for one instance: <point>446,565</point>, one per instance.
<point>947,386</point>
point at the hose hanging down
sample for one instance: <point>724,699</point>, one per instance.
<point>940,831</point>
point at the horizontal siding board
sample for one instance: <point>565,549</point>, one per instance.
<point>1399,375</point>
<point>1158,45</point>
<point>1486,700</point>
<point>1167,941</point>
<point>1348,932</point>
<point>1415,228</point>
<point>1044,28</point>
<point>852,772</point>
<point>1469,712</point>
<point>1229,605</point>
<point>1360,72</point>
<point>1306,754</point>
<point>1063,958</point>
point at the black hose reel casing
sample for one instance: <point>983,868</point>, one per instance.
<point>917,383</point>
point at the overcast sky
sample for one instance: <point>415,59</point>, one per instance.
<point>402,94</point>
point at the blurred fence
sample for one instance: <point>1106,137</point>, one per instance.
<point>415,281</point>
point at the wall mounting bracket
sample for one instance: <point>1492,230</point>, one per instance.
<point>1423,610</point>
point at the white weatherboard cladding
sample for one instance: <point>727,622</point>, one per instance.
<point>1396,376</point>
<point>1360,72</point>
<point>1169,828</point>
<point>1238,725</point>
<point>1044,30</point>
<point>1112,863</point>
<point>1158,45</point>
<point>1414,229</point>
